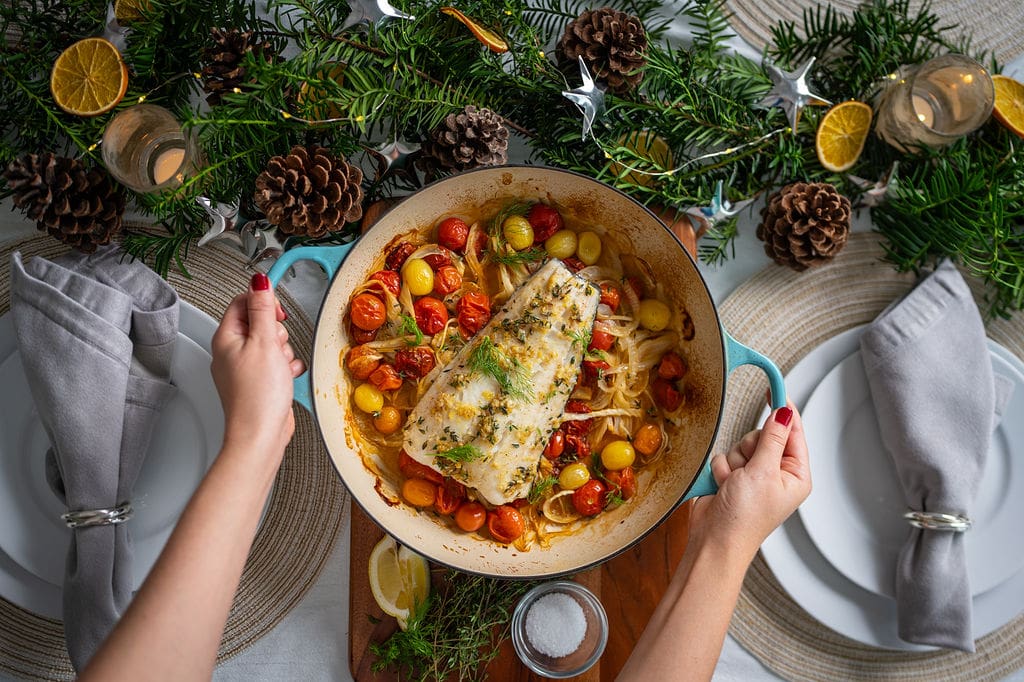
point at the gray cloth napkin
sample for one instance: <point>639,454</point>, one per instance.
<point>937,400</point>
<point>95,337</point>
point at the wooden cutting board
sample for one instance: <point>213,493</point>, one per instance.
<point>629,586</point>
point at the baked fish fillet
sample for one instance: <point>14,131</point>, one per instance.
<point>494,406</point>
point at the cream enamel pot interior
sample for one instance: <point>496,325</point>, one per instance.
<point>684,471</point>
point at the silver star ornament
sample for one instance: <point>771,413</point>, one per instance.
<point>256,239</point>
<point>589,98</point>
<point>790,92</point>
<point>372,12</point>
<point>721,209</point>
<point>394,158</point>
<point>875,193</point>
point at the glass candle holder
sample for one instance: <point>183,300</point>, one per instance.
<point>146,149</point>
<point>935,103</point>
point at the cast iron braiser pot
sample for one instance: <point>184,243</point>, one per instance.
<point>683,473</point>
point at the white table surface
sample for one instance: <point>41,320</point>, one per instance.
<point>311,642</point>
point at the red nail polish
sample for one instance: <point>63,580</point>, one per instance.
<point>260,282</point>
<point>784,415</point>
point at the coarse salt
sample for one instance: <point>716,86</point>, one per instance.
<point>556,625</point>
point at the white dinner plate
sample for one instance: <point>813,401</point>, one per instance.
<point>854,513</point>
<point>815,584</point>
<point>186,439</point>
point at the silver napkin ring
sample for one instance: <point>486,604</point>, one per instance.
<point>98,517</point>
<point>938,521</point>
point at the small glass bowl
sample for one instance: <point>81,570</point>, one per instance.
<point>589,650</point>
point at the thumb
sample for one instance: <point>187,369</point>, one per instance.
<point>772,443</point>
<point>262,306</point>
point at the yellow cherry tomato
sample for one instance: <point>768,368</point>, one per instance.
<point>654,314</point>
<point>647,439</point>
<point>387,420</point>
<point>368,398</point>
<point>418,276</point>
<point>561,244</point>
<point>588,247</point>
<point>518,232</point>
<point>617,455</point>
<point>573,476</point>
<point>419,492</point>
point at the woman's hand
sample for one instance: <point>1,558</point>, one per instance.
<point>761,480</point>
<point>253,367</point>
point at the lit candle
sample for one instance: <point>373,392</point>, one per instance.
<point>167,164</point>
<point>923,109</point>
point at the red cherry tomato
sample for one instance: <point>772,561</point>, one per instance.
<point>667,395</point>
<point>600,340</point>
<point>431,315</point>
<point>672,367</point>
<point>555,446</point>
<point>577,444</point>
<point>545,221</point>
<point>438,260</point>
<point>368,312</point>
<point>410,468</point>
<point>390,279</point>
<point>470,516</point>
<point>623,482</point>
<point>589,499</point>
<point>361,335</point>
<point>481,245</point>
<point>594,370</point>
<point>636,285</point>
<point>397,256</point>
<point>574,263</point>
<point>386,378</point>
<point>446,280</point>
<point>449,496</point>
<point>505,524</point>
<point>415,363</point>
<point>578,427</point>
<point>611,296</point>
<point>452,234</point>
<point>473,311</point>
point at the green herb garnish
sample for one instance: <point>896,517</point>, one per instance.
<point>495,227</point>
<point>511,375</point>
<point>540,488</point>
<point>408,327</point>
<point>581,339</point>
<point>518,257</point>
<point>461,453</point>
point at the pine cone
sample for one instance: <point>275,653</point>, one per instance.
<point>613,44</point>
<point>466,139</point>
<point>310,192</point>
<point>223,70</point>
<point>804,224</point>
<point>76,205</point>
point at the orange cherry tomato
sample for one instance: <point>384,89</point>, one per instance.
<point>667,395</point>
<point>470,516</point>
<point>368,312</point>
<point>389,279</point>
<point>623,481</point>
<point>473,311</point>
<point>431,315</point>
<point>590,498</point>
<point>600,340</point>
<point>446,280</point>
<point>610,296</point>
<point>672,366</point>
<point>388,420</point>
<point>410,468</point>
<point>419,492</point>
<point>361,362</point>
<point>450,495</point>
<point>555,446</point>
<point>647,439</point>
<point>505,523</point>
<point>452,234</point>
<point>386,378</point>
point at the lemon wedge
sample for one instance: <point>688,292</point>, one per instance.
<point>399,579</point>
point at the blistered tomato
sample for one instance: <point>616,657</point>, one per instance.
<point>446,280</point>
<point>361,361</point>
<point>555,446</point>
<point>431,315</point>
<point>671,366</point>
<point>386,378</point>
<point>415,363</point>
<point>368,312</point>
<point>452,234</point>
<point>505,524</point>
<point>389,279</point>
<point>590,498</point>
<point>470,516</point>
<point>397,256</point>
<point>667,395</point>
<point>545,221</point>
<point>623,482</point>
<point>473,311</point>
<point>610,296</point>
<point>449,496</point>
<point>600,340</point>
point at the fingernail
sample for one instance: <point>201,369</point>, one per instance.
<point>784,415</point>
<point>260,282</point>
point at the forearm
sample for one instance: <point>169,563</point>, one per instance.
<point>173,627</point>
<point>683,639</point>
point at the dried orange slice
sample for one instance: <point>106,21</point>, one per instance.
<point>486,36</point>
<point>1009,107</point>
<point>89,78</point>
<point>127,11</point>
<point>841,135</point>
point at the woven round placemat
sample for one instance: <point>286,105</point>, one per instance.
<point>307,506</point>
<point>993,25</point>
<point>785,315</point>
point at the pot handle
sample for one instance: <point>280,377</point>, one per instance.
<point>330,259</point>
<point>738,354</point>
